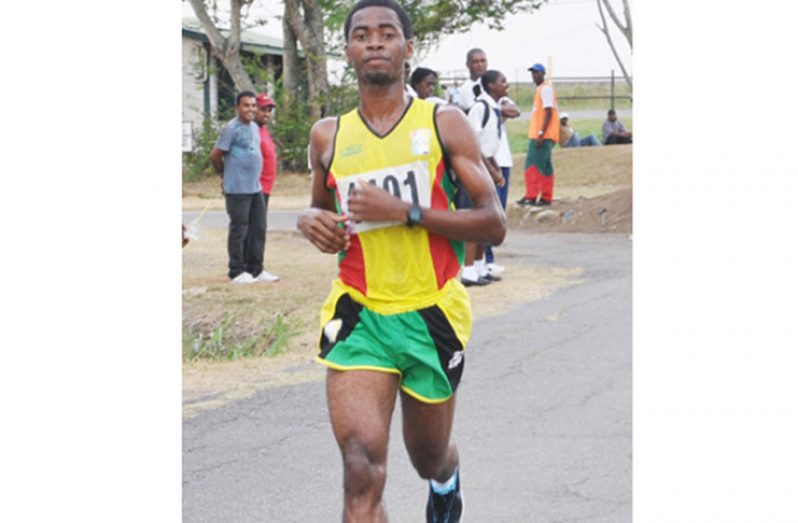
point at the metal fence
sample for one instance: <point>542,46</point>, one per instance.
<point>612,87</point>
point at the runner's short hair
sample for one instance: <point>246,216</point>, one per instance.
<point>407,25</point>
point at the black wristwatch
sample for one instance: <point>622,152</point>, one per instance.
<point>414,215</point>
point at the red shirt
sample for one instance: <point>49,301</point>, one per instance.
<point>269,172</point>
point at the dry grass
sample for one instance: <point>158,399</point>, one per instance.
<point>583,171</point>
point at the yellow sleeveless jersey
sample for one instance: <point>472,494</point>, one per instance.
<point>390,267</point>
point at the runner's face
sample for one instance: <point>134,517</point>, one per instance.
<point>377,48</point>
<point>477,65</point>
<point>264,114</point>
<point>426,87</point>
<point>246,108</point>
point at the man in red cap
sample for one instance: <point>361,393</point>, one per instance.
<point>262,117</point>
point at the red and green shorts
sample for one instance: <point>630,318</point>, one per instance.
<point>424,346</point>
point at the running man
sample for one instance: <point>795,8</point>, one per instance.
<point>397,319</point>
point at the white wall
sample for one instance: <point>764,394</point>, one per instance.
<point>192,86</point>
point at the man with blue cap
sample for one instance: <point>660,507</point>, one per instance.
<point>544,132</point>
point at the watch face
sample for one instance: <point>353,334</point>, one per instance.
<point>414,216</point>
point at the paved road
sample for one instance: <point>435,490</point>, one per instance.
<point>277,220</point>
<point>544,419</point>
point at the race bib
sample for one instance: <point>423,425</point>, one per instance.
<point>410,182</point>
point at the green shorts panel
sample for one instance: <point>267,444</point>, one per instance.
<point>540,157</point>
<point>421,346</point>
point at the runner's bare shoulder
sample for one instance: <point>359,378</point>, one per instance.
<point>322,135</point>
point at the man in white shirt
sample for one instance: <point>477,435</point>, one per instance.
<point>477,64</point>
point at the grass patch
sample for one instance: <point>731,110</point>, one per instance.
<point>222,341</point>
<point>518,130</point>
<point>224,321</point>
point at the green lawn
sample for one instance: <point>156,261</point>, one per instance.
<point>518,130</point>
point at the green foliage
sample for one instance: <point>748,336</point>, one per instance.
<point>197,163</point>
<point>291,130</point>
<point>292,122</point>
<point>518,130</point>
<point>258,73</point>
<point>221,342</point>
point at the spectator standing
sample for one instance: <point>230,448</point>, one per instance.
<point>570,138</point>
<point>237,157</point>
<point>263,116</point>
<point>477,64</point>
<point>486,121</point>
<point>613,130</point>
<point>423,82</point>
<point>504,158</point>
<point>544,132</point>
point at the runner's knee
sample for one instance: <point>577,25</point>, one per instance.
<point>429,461</point>
<point>364,467</point>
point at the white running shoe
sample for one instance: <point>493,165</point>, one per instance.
<point>244,277</point>
<point>266,276</point>
<point>495,268</point>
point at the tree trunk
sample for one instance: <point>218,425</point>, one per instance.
<point>308,27</point>
<point>226,50</point>
<point>290,60</point>
<point>317,59</point>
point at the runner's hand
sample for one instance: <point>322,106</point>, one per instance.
<point>369,203</point>
<point>321,228</point>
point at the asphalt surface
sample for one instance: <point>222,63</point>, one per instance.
<point>543,423</point>
<point>277,220</point>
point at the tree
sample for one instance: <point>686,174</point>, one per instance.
<point>626,30</point>
<point>303,21</point>
<point>226,50</point>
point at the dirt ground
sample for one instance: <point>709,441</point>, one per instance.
<point>607,213</point>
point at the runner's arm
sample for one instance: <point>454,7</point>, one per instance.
<point>319,223</point>
<point>484,223</point>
